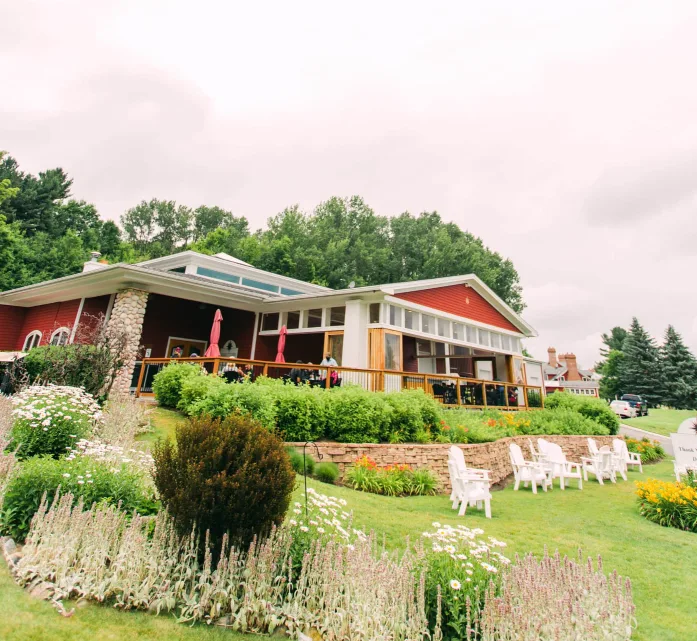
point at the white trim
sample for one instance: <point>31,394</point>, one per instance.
<point>77,320</point>
<point>189,340</point>
<point>109,308</point>
<point>60,330</point>
<point>34,332</point>
<point>254,339</point>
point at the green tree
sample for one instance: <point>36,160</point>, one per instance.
<point>158,227</point>
<point>639,373</point>
<point>611,369</point>
<point>614,340</point>
<point>209,219</point>
<point>678,372</point>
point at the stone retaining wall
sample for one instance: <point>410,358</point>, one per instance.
<point>488,456</point>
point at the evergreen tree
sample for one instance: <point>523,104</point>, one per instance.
<point>640,370</point>
<point>611,368</point>
<point>678,372</point>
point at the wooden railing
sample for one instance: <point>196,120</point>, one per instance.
<point>449,390</point>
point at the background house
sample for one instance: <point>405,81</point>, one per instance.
<point>563,374</point>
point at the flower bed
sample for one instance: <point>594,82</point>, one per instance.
<point>393,480</point>
<point>669,504</point>
<point>650,451</point>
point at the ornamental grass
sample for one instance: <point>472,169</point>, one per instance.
<point>555,599</point>
<point>669,504</point>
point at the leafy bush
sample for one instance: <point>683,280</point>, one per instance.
<point>357,416</point>
<point>300,412</point>
<point>327,472</point>
<point>226,476</point>
<point>669,504</point>
<point>299,465</point>
<point>167,384</point>
<point>562,421</point>
<point>593,408</point>
<point>49,419</point>
<point>393,480</point>
<point>650,451</point>
<point>83,477</point>
<point>194,388</point>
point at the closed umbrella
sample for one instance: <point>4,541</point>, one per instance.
<point>281,345</point>
<point>213,350</point>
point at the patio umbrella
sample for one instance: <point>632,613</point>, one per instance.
<point>281,345</point>
<point>213,350</point>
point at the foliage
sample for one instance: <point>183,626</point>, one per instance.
<point>555,599</point>
<point>678,372</point>
<point>124,418</point>
<point>355,415</point>
<point>194,386</point>
<point>89,479</point>
<point>8,461</point>
<point>343,592</point>
<point>461,564</point>
<point>650,451</point>
<point>411,412</point>
<point>167,383</point>
<point>228,476</point>
<point>48,419</point>
<point>300,465</point>
<point>611,369</point>
<point>669,504</point>
<point>393,480</point>
<point>640,373</point>
<point>327,472</point>
<point>592,408</point>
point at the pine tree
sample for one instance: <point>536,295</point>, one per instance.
<point>678,372</point>
<point>640,371</point>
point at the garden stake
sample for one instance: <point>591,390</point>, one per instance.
<point>319,458</point>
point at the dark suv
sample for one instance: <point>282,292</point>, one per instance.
<point>638,403</point>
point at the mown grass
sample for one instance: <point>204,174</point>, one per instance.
<point>661,421</point>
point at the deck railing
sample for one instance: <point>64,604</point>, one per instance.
<point>449,390</point>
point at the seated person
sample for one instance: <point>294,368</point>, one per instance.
<point>177,352</point>
<point>298,375</point>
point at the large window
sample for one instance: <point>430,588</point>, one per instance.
<point>471,334</point>
<point>411,319</point>
<point>293,320</point>
<point>337,316</point>
<point>32,340</point>
<point>395,316</point>
<point>61,336</point>
<point>483,337</point>
<point>443,327</point>
<point>212,273</point>
<point>506,342</point>
<point>496,341</point>
<point>313,318</point>
<point>428,324</point>
<point>392,352</point>
<point>458,332</point>
<point>258,284</point>
<point>269,322</point>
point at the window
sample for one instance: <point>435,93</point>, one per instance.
<point>61,336</point>
<point>428,324</point>
<point>395,316</point>
<point>423,348</point>
<point>257,284</point>
<point>443,327</point>
<point>496,341</point>
<point>440,349</point>
<point>506,342</point>
<point>32,340</point>
<point>212,273</point>
<point>289,292</point>
<point>337,316</point>
<point>293,320</point>
<point>515,345</point>
<point>458,350</point>
<point>411,319</point>
<point>483,337</point>
<point>458,332</point>
<point>471,334</point>
<point>269,322</point>
<point>374,313</point>
<point>392,355</point>
<point>313,318</point>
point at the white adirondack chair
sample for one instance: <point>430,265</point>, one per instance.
<point>533,452</point>
<point>562,468</point>
<point>625,456</point>
<point>457,456</point>
<point>527,471</point>
<point>470,491</point>
<point>602,465</point>
<point>593,447</point>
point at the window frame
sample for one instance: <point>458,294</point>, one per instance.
<point>61,330</point>
<point>28,340</point>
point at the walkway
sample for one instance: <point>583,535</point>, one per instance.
<point>635,432</point>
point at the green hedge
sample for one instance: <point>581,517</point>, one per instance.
<point>593,408</point>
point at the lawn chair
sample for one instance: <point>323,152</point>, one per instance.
<point>457,456</point>
<point>560,467</point>
<point>593,447</point>
<point>469,490</point>
<point>602,465</point>
<point>626,457</point>
<point>533,452</point>
<point>527,471</point>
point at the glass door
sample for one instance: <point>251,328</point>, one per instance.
<point>334,344</point>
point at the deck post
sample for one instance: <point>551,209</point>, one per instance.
<point>140,378</point>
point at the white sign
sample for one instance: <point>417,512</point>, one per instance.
<point>685,451</point>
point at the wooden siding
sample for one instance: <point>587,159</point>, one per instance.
<point>11,322</point>
<point>93,310</point>
<point>48,318</point>
<point>461,301</point>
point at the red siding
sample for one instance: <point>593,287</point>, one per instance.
<point>166,316</point>
<point>93,310</point>
<point>11,321</point>
<point>462,301</point>
<point>47,318</point>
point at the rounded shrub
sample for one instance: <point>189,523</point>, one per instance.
<point>50,419</point>
<point>593,408</point>
<point>296,461</point>
<point>194,388</point>
<point>167,384</point>
<point>357,416</point>
<point>300,414</point>
<point>327,472</point>
<point>93,481</point>
<point>224,476</point>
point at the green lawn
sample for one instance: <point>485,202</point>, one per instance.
<point>661,421</point>
<point>163,422</point>
<point>602,520</point>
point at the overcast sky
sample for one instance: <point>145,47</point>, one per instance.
<point>562,133</point>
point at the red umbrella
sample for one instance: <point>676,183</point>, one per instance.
<point>281,345</point>
<point>213,350</point>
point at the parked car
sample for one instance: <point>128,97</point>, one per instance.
<point>623,409</point>
<point>639,404</point>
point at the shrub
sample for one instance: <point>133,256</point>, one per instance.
<point>167,384</point>
<point>650,451</point>
<point>194,388</point>
<point>83,477</point>
<point>593,408</point>
<point>226,476</point>
<point>669,504</point>
<point>393,480</point>
<point>406,417</point>
<point>300,412</point>
<point>327,472</point>
<point>49,419</point>
<point>357,416</point>
<point>561,421</point>
<point>301,466</point>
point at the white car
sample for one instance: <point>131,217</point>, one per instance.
<point>623,409</point>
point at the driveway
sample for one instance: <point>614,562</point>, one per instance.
<point>635,432</point>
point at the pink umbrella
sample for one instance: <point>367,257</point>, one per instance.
<point>213,350</point>
<point>281,345</point>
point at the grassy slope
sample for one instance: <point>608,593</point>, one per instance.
<point>661,421</point>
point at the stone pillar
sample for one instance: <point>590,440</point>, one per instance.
<point>127,320</point>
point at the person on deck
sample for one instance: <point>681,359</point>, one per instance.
<point>298,375</point>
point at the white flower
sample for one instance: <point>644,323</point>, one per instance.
<point>320,530</point>
<point>292,522</point>
<point>450,549</point>
<point>435,524</point>
<point>297,511</point>
<point>455,584</point>
<point>80,482</point>
<point>304,528</point>
<point>66,475</point>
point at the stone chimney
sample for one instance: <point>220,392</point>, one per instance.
<point>572,373</point>
<point>93,263</point>
<point>552,356</point>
